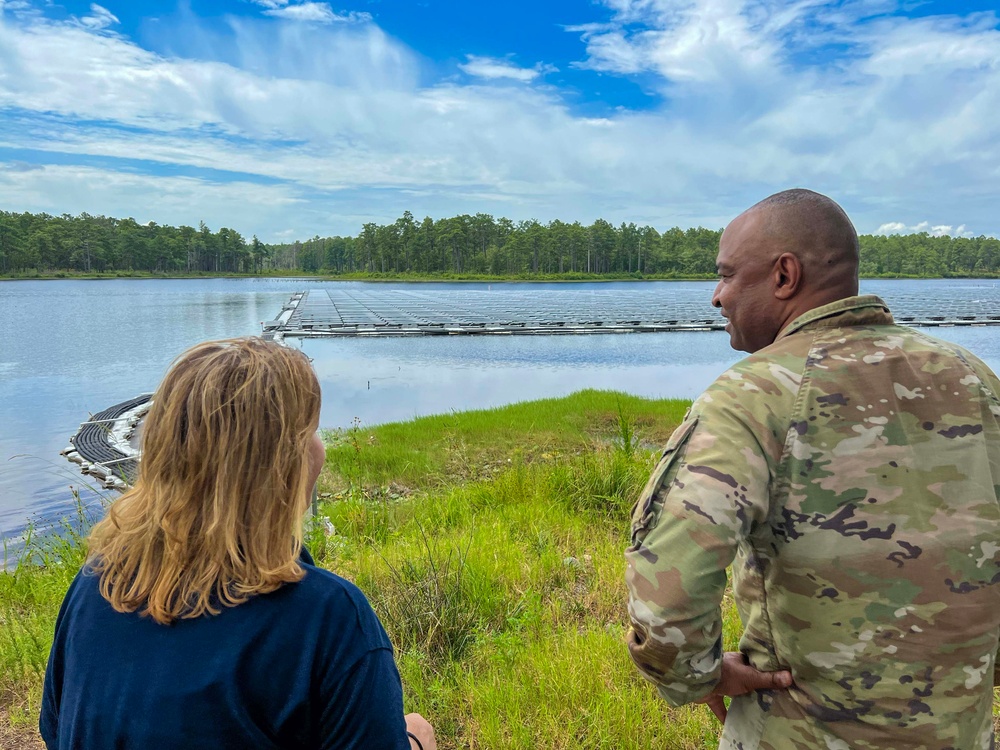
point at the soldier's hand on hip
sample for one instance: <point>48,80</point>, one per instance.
<point>739,678</point>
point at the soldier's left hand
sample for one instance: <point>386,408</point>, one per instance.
<point>739,678</point>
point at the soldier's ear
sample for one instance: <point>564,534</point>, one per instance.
<point>787,275</point>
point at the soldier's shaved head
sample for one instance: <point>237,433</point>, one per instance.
<point>784,256</point>
<point>818,232</point>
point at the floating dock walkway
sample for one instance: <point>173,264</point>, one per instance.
<point>394,312</point>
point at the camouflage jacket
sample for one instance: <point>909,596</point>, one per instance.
<point>849,475</point>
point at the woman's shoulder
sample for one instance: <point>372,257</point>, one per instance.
<point>319,592</point>
<point>321,582</point>
<point>331,604</point>
<point>325,590</point>
<point>325,582</point>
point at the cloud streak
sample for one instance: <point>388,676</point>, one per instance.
<point>492,68</point>
<point>99,18</point>
<point>313,12</point>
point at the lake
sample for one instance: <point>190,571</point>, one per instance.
<point>70,348</point>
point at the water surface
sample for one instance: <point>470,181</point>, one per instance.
<point>71,348</point>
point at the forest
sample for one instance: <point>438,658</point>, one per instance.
<point>478,245</point>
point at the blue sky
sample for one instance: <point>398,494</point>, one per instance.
<point>291,118</point>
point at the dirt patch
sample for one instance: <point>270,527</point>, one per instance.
<point>19,737</point>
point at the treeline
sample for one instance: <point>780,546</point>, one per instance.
<point>97,244</point>
<point>461,245</point>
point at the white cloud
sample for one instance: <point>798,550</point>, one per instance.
<point>14,6</point>
<point>690,41</point>
<point>937,230</point>
<point>313,12</point>
<point>492,68</point>
<point>99,18</point>
<point>892,227</point>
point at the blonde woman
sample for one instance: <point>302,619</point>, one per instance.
<point>199,621</point>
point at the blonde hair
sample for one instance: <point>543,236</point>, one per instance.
<point>215,515</point>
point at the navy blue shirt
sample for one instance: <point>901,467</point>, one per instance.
<point>307,666</point>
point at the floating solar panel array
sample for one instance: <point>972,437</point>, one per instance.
<point>981,307</point>
<point>398,312</point>
<point>101,446</point>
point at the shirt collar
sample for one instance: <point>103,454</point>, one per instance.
<point>866,310</point>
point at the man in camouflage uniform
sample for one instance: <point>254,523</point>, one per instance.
<point>848,471</point>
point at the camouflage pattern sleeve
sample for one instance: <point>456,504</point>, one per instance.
<point>991,386</point>
<point>706,493</point>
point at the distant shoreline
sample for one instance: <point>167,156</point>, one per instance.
<point>417,278</point>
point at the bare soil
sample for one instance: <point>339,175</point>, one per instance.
<point>18,738</point>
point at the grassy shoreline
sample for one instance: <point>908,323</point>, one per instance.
<point>490,544</point>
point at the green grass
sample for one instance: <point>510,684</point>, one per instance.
<point>442,450</point>
<point>30,594</point>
